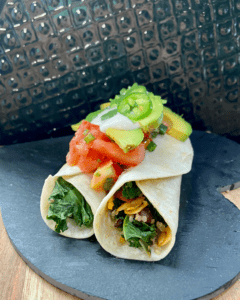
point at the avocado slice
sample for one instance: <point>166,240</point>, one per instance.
<point>126,139</point>
<point>104,175</point>
<point>178,127</point>
<point>154,119</point>
<point>105,105</point>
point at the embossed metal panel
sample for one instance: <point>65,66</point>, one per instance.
<point>60,59</point>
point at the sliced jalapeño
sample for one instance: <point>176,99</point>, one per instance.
<point>135,106</point>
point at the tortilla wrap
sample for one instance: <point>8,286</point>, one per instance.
<point>80,181</point>
<point>159,178</point>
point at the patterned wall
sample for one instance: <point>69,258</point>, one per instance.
<point>59,59</point>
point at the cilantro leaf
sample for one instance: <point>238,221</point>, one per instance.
<point>67,202</point>
<point>131,190</point>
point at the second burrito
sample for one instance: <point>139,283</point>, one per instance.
<point>138,219</point>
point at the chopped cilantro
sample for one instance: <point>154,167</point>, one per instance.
<point>163,129</point>
<point>154,134</point>
<point>151,146</point>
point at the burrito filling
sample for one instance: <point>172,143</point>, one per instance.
<point>139,223</point>
<point>67,202</point>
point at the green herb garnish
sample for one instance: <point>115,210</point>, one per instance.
<point>89,138</point>
<point>151,146</point>
<point>163,129</point>
<point>154,134</point>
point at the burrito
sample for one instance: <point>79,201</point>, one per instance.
<point>68,203</point>
<point>126,136</point>
<point>138,218</point>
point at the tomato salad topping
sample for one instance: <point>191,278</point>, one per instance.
<point>116,137</point>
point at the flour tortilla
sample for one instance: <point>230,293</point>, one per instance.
<point>159,178</point>
<point>80,181</point>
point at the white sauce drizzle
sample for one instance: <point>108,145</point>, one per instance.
<point>118,121</point>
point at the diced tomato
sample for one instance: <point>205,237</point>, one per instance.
<point>82,147</point>
<point>112,151</point>
<point>89,155</point>
<point>86,128</point>
<point>90,162</point>
<point>87,164</point>
<point>118,169</point>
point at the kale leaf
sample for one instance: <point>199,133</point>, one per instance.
<point>156,215</point>
<point>67,202</point>
<point>130,190</point>
<point>117,203</point>
<point>138,233</point>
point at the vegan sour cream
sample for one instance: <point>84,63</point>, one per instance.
<point>119,121</point>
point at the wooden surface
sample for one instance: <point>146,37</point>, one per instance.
<point>19,282</point>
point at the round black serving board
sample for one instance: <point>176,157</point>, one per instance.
<point>204,259</point>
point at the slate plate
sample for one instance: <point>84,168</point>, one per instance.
<point>204,259</point>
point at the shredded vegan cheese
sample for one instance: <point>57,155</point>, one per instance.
<point>164,237</point>
<point>110,203</point>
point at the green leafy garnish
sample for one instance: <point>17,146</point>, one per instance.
<point>151,146</point>
<point>163,129</point>
<point>156,215</point>
<point>154,134</point>
<point>135,231</point>
<point>89,138</point>
<point>93,115</point>
<point>67,202</point>
<point>130,190</point>
<point>109,114</point>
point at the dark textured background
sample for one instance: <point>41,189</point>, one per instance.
<point>60,59</point>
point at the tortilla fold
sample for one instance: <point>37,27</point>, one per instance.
<point>80,181</point>
<point>159,178</point>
